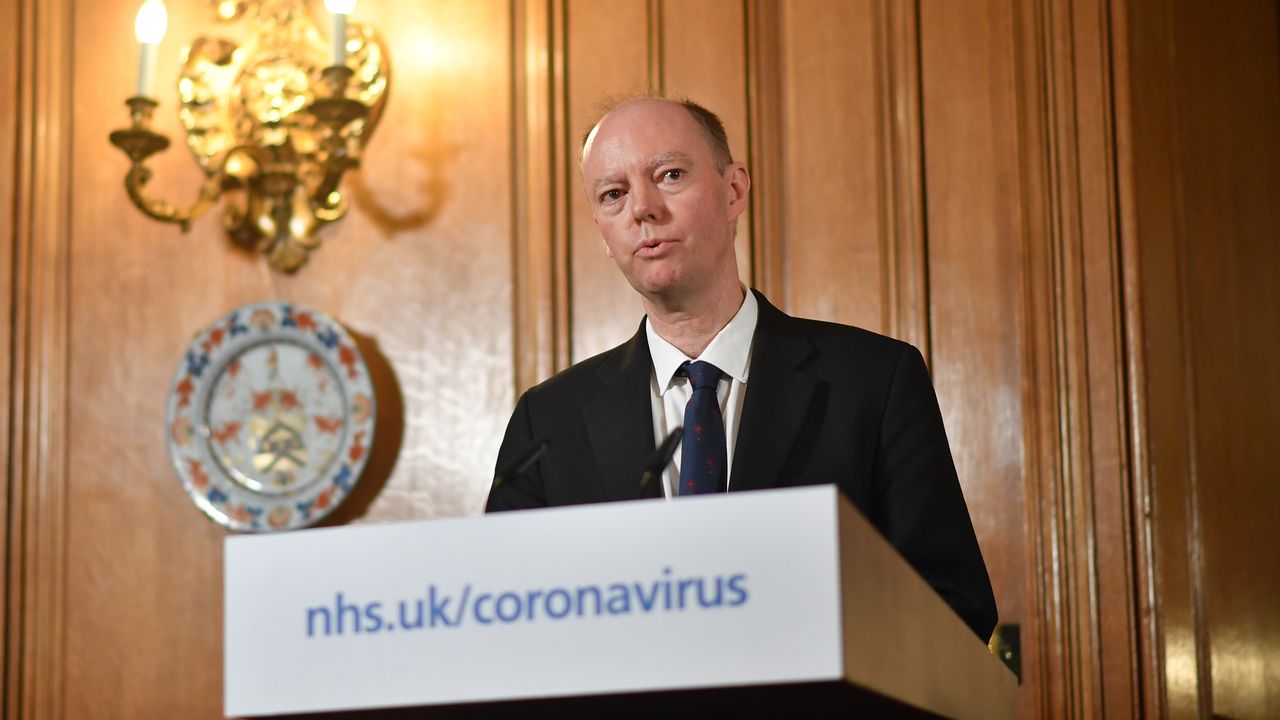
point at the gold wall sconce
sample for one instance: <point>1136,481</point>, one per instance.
<point>273,123</point>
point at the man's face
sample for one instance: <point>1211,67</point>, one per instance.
<point>665,212</point>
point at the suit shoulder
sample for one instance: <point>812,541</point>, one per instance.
<point>581,379</point>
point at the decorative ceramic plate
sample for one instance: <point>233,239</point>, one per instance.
<point>270,417</point>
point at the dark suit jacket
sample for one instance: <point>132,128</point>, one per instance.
<point>825,403</point>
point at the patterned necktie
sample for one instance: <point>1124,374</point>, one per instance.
<point>703,457</point>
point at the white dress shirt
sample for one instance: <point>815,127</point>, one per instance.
<point>730,350</point>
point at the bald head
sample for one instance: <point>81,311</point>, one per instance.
<point>708,124</point>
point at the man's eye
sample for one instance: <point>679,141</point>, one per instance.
<point>673,174</point>
<point>610,195</point>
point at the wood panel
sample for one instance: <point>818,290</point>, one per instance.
<point>765,137</point>
<point>1227,66</point>
<point>9,104</point>
<point>834,256</point>
<point>1199,161</point>
<point>1066,203</point>
<point>1082,511</point>
<point>37,489</point>
<point>1155,360</point>
<point>544,175</point>
<point>1102,450</point>
<point>837,160</point>
<point>901,168</point>
<point>421,268</point>
<point>976,283</point>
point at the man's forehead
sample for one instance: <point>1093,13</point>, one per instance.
<point>647,108</point>
<point>641,129</point>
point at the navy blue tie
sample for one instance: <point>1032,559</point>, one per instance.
<point>703,456</point>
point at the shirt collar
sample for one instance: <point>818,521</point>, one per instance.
<point>729,350</point>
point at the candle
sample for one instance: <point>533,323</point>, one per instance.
<point>338,11</point>
<point>149,28</point>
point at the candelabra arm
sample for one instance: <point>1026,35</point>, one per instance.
<point>136,185</point>
<point>335,112</point>
<point>139,143</point>
<point>326,202</point>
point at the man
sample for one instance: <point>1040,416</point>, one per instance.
<point>766,400</point>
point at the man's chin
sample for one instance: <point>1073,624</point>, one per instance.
<point>659,282</point>
<point>668,292</point>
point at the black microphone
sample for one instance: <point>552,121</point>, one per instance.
<point>658,461</point>
<point>521,463</point>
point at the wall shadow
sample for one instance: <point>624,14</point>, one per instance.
<point>387,437</point>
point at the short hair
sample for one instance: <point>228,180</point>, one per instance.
<point>709,124</point>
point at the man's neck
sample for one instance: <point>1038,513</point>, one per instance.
<point>691,326</point>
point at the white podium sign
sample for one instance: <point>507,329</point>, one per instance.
<point>711,591</point>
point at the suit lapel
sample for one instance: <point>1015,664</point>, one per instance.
<point>778,399</point>
<point>620,420</point>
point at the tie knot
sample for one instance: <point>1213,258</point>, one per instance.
<point>701,374</point>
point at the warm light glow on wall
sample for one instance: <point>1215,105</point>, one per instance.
<point>426,51</point>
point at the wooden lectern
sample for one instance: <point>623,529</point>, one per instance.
<point>827,619</point>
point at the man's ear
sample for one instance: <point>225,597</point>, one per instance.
<point>738,188</point>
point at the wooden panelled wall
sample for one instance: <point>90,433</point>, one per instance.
<point>1200,174</point>
<point>1069,205</point>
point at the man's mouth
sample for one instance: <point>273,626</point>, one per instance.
<point>653,248</point>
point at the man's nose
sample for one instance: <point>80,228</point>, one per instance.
<point>647,204</point>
